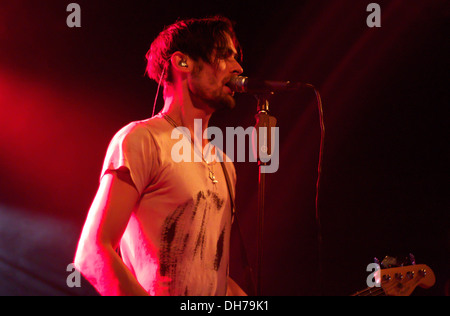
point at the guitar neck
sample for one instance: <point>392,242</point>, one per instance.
<point>370,291</point>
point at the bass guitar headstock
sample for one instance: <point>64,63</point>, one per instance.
<point>399,278</point>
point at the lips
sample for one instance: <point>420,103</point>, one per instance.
<point>227,85</point>
<point>228,90</point>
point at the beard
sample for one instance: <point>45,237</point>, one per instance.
<point>216,98</point>
<point>224,101</point>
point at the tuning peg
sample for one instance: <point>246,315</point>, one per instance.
<point>412,259</point>
<point>389,262</point>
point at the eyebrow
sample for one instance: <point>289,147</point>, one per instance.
<point>227,51</point>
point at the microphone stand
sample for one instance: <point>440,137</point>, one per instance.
<point>265,120</point>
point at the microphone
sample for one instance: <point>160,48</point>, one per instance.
<point>243,84</point>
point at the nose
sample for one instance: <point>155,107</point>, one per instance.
<point>236,68</point>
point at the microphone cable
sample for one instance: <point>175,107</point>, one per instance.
<point>319,174</point>
<point>159,86</point>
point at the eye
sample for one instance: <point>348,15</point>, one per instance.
<point>225,53</point>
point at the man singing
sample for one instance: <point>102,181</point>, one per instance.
<point>171,220</point>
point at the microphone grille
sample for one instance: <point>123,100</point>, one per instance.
<point>238,83</point>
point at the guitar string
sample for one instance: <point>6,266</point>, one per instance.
<point>377,292</point>
<point>370,290</point>
<point>381,290</point>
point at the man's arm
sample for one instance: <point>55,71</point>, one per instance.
<point>107,219</point>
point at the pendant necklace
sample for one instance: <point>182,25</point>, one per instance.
<point>212,176</point>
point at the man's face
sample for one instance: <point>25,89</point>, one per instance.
<point>208,81</point>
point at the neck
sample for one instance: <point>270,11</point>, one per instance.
<point>180,108</point>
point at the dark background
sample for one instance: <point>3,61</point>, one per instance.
<point>64,92</point>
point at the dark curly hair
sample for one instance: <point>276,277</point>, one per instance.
<point>196,38</point>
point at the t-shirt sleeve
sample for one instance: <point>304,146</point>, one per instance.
<point>133,148</point>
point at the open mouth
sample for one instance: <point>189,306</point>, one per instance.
<point>229,91</point>
<point>228,88</point>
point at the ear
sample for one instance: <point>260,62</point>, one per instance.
<point>181,62</point>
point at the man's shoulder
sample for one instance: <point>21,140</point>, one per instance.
<point>151,126</point>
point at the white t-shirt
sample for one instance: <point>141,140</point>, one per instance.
<point>177,239</point>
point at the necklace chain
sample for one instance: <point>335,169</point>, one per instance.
<point>211,172</point>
